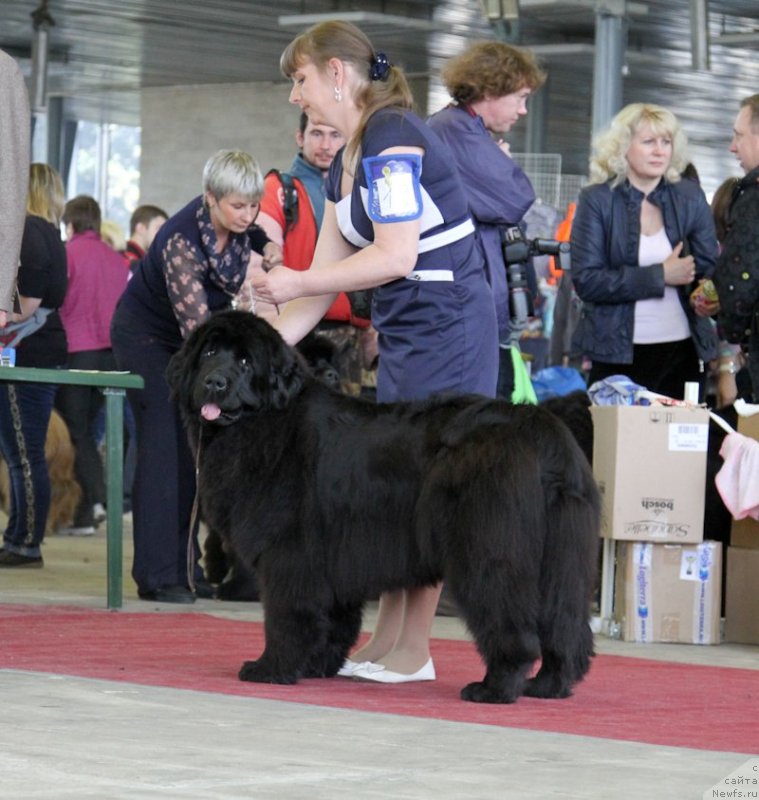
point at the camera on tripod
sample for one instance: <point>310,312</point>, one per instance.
<point>517,252</point>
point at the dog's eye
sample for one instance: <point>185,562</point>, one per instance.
<point>243,362</point>
<point>209,351</point>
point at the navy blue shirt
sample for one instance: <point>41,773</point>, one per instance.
<point>182,257</point>
<point>437,330</point>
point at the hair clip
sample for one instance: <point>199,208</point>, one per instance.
<point>380,67</point>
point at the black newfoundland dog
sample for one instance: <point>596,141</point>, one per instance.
<point>334,500</point>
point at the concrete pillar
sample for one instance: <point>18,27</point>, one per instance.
<point>611,41</point>
<point>699,34</point>
<point>54,132</point>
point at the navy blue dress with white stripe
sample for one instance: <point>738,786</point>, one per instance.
<point>437,327</point>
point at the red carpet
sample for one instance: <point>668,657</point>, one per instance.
<point>708,708</point>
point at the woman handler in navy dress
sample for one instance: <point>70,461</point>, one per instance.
<point>396,218</point>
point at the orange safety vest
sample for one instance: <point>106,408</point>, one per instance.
<point>563,231</point>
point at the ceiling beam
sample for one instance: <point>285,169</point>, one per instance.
<point>360,17</point>
<point>737,38</point>
<point>618,7</point>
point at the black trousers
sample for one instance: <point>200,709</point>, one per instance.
<point>79,407</point>
<point>164,482</point>
<point>663,368</point>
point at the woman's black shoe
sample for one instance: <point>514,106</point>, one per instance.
<point>9,559</point>
<point>168,594</point>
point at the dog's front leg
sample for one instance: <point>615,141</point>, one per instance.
<point>292,637</point>
<point>342,626</point>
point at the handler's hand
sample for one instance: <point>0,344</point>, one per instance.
<point>701,304</point>
<point>3,318</point>
<point>727,390</point>
<point>272,256</point>
<point>279,285</point>
<point>704,307</point>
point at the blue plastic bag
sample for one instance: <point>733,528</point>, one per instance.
<point>556,382</point>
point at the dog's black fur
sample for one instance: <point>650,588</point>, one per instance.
<point>573,410</point>
<point>234,580</point>
<point>334,500</point>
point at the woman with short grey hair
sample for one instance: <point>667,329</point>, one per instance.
<point>195,266</point>
<point>233,171</point>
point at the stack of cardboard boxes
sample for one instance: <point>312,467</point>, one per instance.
<point>742,581</point>
<point>650,464</point>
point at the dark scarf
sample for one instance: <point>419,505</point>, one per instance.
<point>228,268</point>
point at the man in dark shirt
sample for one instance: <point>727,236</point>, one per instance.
<point>737,273</point>
<point>144,224</point>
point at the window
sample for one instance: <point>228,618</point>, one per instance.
<point>105,164</point>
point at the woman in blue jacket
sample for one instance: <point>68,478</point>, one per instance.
<point>490,83</point>
<point>642,239</point>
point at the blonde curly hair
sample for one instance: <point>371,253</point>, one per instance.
<point>608,161</point>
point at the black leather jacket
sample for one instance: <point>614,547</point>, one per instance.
<point>737,275</point>
<point>605,269</point>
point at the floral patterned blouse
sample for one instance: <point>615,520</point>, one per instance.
<point>188,265</point>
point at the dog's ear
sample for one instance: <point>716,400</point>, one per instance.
<point>179,372</point>
<point>286,374</point>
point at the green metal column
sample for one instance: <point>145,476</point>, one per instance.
<point>114,460</point>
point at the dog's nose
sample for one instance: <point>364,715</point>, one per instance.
<point>331,377</point>
<point>215,382</point>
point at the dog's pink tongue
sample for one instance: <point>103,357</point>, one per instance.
<point>210,411</point>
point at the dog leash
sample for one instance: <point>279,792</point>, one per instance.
<point>194,520</point>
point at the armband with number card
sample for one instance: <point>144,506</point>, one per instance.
<point>393,182</point>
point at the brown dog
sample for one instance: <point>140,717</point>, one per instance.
<point>65,492</point>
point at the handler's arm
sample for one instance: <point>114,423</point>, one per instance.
<point>338,267</point>
<point>184,268</point>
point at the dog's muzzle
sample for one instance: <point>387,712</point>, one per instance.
<point>216,386</point>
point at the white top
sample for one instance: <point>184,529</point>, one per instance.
<point>659,319</point>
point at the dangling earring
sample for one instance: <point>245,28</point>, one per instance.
<point>338,94</point>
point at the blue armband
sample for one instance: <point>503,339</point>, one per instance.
<point>393,182</point>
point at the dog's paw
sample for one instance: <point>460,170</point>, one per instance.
<point>480,692</point>
<point>255,672</point>
<point>236,591</point>
<point>549,687</point>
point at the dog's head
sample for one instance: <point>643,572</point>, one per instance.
<point>233,363</point>
<point>320,355</point>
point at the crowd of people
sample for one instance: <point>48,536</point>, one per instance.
<point>378,204</point>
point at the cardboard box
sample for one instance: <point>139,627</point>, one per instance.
<point>741,596</point>
<point>650,465</point>
<point>669,592</point>
<point>745,532</point>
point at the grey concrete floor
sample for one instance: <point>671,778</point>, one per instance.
<point>63,737</point>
